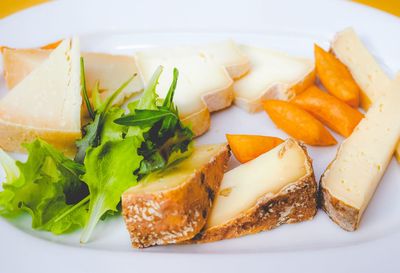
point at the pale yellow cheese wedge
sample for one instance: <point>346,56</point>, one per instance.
<point>365,70</point>
<point>110,70</point>
<point>46,104</point>
<point>275,188</point>
<point>350,181</point>
<point>273,75</point>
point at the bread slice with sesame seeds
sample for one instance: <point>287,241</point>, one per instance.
<point>276,188</point>
<point>172,206</point>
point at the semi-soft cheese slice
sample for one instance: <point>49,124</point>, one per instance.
<point>351,179</point>
<point>110,70</point>
<point>172,205</point>
<point>46,104</point>
<point>275,188</point>
<point>366,71</point>
<point>272,75</point>
<point>204,86</point>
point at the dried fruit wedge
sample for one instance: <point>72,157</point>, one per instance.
<point>298,123</point>
<point>336,78</point>
<point>248,147</point>
<point>332,112</point>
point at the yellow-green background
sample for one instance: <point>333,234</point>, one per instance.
<point>8,7</point>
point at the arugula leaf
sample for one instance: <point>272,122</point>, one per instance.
<point>149,98</point>
<point>84,90</point>
<point>94,129</point>
<point>109,172</point>
<point>45,185</point>
<point>145,118</point>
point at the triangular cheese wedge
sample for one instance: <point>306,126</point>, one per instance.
<point>275,188</point>
<point>110,70</point>
<point>46,104</point>
<point>273,75</point>
<point>204,86</point>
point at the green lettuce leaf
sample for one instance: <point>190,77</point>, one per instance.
<point>109,172</point>
<point>46,185</point>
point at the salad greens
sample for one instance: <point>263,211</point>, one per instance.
<point>117,151</point>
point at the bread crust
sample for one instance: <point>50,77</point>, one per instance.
<point>295,203</point>
<point>13,135</point>
<point>176,214</point>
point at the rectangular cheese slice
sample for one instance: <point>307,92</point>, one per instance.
<point>275,188</point>
<point>273,75</point>
<point>365,70</point>
<point>349,182</point>
<point>110,70</point>
<point>45,104</point>
<point>203,86</point>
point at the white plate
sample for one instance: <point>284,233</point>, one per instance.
<point>292,26</point>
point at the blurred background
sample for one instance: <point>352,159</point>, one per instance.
<point>8,7</point>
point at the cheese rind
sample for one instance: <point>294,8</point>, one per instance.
<point>46,103</point>
<point>275,188</point>
<point>272,75</point>
<point>365,70</point>
<point>350,181</point>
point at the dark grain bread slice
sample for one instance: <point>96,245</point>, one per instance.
<point>276,188</point>
<point>172,206</point>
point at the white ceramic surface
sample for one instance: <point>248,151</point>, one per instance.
<point>291,26</point>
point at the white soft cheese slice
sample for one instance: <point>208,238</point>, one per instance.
<point>226,53</point>
<point>110,70</point>
<point>363,158</point>
<point>267,174</point>
<point>272,76</point>
<point>49,97</point>
<point>203,86</point>
<point>365,70</point>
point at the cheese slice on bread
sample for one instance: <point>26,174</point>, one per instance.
<point>351,179</point>
<point>272,75</point>
<point>366,71</point>
<point>46,104</point>
<point>204,86</point>
<point>110,70</point>
<point>172,206</point>
<point>275,188</point>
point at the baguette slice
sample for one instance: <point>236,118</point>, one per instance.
<point>110,70</point>
<point>351,179</point>
<point>204,86</point>
<point>366,71</point>
<point>277,187</point>
<point>273,75</point>
<point>46,104</point>
<point>172,206</point>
